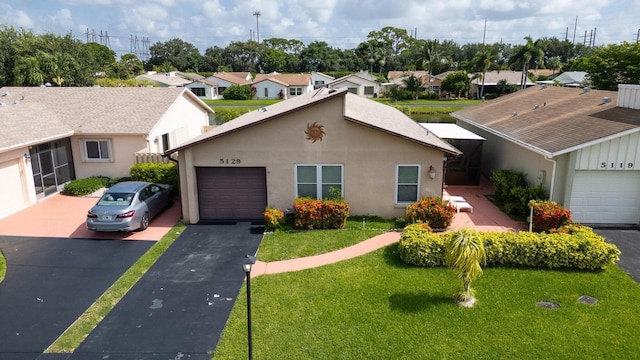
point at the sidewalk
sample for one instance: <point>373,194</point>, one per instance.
<point>485,217</point>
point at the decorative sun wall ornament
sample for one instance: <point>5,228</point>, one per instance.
<point>314,132</point>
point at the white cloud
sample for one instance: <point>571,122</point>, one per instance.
<point>62,18</point>
<point>18,18</point>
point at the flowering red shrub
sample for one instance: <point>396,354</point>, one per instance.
<point>549,216</point>
<point>320,214</point>
<point>432,211</point>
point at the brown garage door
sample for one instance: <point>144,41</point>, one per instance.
<point>232,193</point>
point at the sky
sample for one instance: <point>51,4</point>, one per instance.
<point>132,25</point>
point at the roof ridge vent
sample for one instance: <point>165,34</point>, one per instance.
<point>586,89</point>
<point>606,100</point>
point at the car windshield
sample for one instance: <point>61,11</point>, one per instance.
<point>116,199</point>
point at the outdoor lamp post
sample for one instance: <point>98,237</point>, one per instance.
<point>246,266</point>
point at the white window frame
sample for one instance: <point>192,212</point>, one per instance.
<point>369,90</point>
<point>295,91</point>
<point>107,158</point>
<point>318,182</point>
<point>398,183</point>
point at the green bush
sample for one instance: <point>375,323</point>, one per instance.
<point>273,219</point>
<point>238,92</point>
<point>513,193</point>
<point>86,186</point>
<point>320,214</point>
<point>432,211</point>
<point>582,249</point>
<point>114,181</point>
<point>156,172</point>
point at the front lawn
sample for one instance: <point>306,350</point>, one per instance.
<point>377,307</point>
<point>291,244</point>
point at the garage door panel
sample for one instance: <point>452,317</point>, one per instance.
<point>606,197</point>
<point>12,190</point>
<point>231,193</point>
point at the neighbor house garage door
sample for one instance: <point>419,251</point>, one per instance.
<point>606,197</point>
<point>11,192</point>
<point>232,193</point>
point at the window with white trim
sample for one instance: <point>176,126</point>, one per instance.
<point>407,183</point>
<point>315,181</point>
<point>97,149</point>
<point>295,91</point>
<point>368,90</point>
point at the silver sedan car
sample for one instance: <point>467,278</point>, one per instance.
<point>129,206</point>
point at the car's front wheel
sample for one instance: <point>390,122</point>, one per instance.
<point>144,222</point>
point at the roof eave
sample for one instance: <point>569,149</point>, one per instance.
<point>448,151</point>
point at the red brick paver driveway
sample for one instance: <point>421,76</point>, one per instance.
<point>64,216</point>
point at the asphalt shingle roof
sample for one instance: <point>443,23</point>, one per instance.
<point>35,114</point>
<point>357,109</point>
<point>553,120</point>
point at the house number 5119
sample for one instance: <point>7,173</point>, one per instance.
<point>230,161</point>
<point>603,165</point>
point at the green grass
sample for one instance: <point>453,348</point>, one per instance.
<point>377,307</point>
<point>78,331</point>
<point>283,245</point>
<point>3,266</point>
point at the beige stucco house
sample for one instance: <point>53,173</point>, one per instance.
<point>581,145</point>
<point>54,135</point>
<point>378,157</point>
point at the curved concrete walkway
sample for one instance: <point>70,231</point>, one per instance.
<point>367,246</point>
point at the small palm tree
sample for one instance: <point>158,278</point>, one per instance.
<point>532,52</point>
<point>464,254</point>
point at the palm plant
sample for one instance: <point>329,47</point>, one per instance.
<point>530,53</point>
<point>464,253</point>
<point>485,61</point>
<point>413,85</point>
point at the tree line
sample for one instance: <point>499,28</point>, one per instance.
<point>27,59</point>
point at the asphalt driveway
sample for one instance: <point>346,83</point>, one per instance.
<point>50,282</point>
<point>180,307</point>
<point>628,242</point>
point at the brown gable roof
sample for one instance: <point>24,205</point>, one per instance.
<point>553,120</point>
<point>285,79</point>
<point>44,113</point>
<point>357,109</point>
<point>232,77</point>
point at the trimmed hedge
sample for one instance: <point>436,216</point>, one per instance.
<point>582,249</point>
<point>86,186</point>
<point>156,172</point>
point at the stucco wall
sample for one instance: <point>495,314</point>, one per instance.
<point>185,115</point>
<point>123,148</point>
<point>369,157</point>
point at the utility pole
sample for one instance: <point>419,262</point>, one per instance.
<point>257,15</point>
<point>575,27</point>
<point>484,34</point>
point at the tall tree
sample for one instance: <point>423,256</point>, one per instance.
<point>527,55</point>
<point>181,54</point>
<point>485,61</point>
<point>457,83</point>
<point>614,64</point>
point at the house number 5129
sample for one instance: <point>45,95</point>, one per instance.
<point>230,161</point>
<point>603,165</point>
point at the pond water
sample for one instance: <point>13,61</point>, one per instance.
<point>433,118</point>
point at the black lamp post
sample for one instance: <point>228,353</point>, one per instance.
<point>246,266</point>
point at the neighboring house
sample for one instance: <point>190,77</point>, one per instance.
<point>53,135</point>
<point>281,86</point>
<point>204,89</point>
<point>429,83</point>
<point>170,79</point>
<point>190,76</point>
<point>226,79</point>
<point>378,157</point>
<point>491,80</point>
<point>581,145</point>
<point>567,78</point>
<point>362,84</point>
<point>320,80</point>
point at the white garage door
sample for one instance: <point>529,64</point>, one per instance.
<point>606,197</point>
<point>11,191</point>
